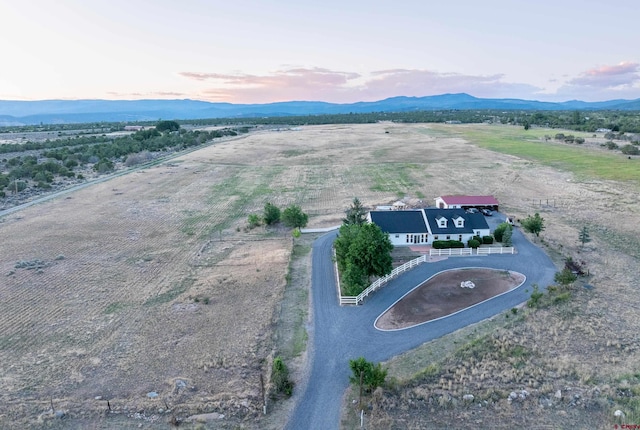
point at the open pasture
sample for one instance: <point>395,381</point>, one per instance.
<point>149,282</point>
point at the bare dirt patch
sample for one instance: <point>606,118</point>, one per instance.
<point>443,295</point>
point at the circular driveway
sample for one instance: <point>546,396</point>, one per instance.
<point>341,333</point>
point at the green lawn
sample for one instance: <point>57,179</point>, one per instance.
<point>530,145</point>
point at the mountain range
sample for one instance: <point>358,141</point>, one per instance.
<point>13,113</point>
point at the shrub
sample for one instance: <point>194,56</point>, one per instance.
<point>535,297</point>
<point>280,378</point>
<point>565,277</point>
<point>506,236</point>
<point>630,150</point>
<point>17,186</point>
<point>499,231</point>
<point>271,214</point>
<point>371,376</point>
<point>562,297</point>
<point>103,166</point>
<point>138,158</point>
<point>253,220</point>
<point>473,243</point>
<point>487,240</point>
<point>444,244</point>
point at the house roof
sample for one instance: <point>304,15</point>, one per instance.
<point>472,222</point>
<point>399,221</point>
<point>470,200</point>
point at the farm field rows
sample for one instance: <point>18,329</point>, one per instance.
<point>149,282</point>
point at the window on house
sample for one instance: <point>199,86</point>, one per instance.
<point>397,236</point>
<point>448,237</point>
<point>435,237</point>
<point>459,223</point>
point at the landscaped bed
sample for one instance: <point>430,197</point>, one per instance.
<point>443,295</point>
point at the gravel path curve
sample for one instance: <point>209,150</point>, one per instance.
<point>340,333</point>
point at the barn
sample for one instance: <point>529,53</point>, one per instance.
<point>466,202</point>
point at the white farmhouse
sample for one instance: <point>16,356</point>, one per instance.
<point>423,226</point>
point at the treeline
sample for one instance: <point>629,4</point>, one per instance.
<point>578,120</point>
<point>587,121</point>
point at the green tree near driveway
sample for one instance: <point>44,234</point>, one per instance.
<point>534,224</point>
<point>507,236</point>
<point>366,375</point>
<point>371,251</point>
<point>271,213</point>
<point>294,217</point>
<point>356,214</point>
<point>362,251</point>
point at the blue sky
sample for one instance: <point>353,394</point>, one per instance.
<point>250,51</point>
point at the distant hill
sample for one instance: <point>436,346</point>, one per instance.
<point>76,111</point>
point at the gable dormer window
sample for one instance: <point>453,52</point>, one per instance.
<point>442,222</point>
<point>459,221</point>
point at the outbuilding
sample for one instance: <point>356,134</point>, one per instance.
<point>466,202</point>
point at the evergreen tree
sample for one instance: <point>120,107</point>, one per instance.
<point>356,214</point>
<point>583,236</point>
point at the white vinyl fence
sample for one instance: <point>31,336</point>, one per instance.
<point>451,251</point>
<point>379,283</point>
<point>351,300</point>
<point>496,250</point>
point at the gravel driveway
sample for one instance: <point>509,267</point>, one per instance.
<point>339,334</point>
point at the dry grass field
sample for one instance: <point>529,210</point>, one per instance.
<point>149,282</point>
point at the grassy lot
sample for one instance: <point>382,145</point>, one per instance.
<point>530,145</point>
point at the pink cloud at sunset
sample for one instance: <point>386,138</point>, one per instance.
<point>623,74</point>
<point>619,81</point>
<point>347,87</point>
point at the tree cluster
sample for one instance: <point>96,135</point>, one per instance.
<point>58,158</point>
<point>292,216</point>
<point>362,251</point>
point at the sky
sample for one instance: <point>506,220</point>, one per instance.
<point>260,51</point>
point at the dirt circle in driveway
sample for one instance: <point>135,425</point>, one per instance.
<point>443,295</point>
